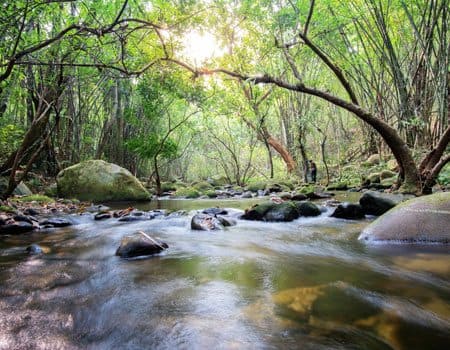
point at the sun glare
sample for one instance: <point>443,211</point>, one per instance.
<point>200,47</point>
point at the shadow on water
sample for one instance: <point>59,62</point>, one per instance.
<point>305,284</point>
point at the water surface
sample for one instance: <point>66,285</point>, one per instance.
<point>306,284</point>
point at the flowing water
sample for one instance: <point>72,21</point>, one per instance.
<point>307,284</point>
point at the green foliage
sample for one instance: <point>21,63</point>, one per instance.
<point>10,138</point>
<point>444,176</point>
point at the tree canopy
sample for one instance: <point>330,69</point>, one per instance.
<point>244,89</point>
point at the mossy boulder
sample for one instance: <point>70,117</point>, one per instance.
<point>307,208</point>
<point>187,192</point>
<point>202,186</point>
<point>286,211</point>
<point>99,181</point>
<point>258,211</point>
<point>374,159</point>
<point>424,219</point>
<point>374,178</point>
<point>256,186</point>
<point>386,174</point>
<point>392,165</point>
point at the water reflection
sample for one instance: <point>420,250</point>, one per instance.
<point>306,284</point>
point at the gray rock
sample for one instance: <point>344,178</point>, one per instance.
<point>247,194</point>
<point>205,222</point>
<point>424,219</point>
<point>16,227</point>
<point>215,211</point>
<point>227,221</point>
<point>98,181</point>
<point>140,245</point>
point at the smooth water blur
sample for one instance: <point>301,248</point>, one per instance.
<point>306,284</point>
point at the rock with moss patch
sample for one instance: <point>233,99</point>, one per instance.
<point>307,208</point>
<point>20,190</point>
<point>374,159</point>
<point>286,211</point>
<point>99,181</point>
<point>386,174</point>
<point>424,219</point>
<point>375,203</point>
<point>392,165</point>
<point>374,178</point>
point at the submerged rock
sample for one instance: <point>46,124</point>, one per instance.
<point>140,244</point>
<point>424,219</point>
<point>34,249</point>
<point>348,211</point>
<point>205,222</point>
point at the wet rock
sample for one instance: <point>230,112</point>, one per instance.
<point>299,197</point>
<point>97,208</point>
<point>258,211</point>
<point>215,211</point>
<point>227,221</point>
<point>285,195</point>
<point>56,222</point>
<point>375,203</point>
<point>307,208</point>
<point>34,249</point>
<point>349,211</point>
<point>103,215</point>
<point>140,245</point>
<point>319,195</point>
<point>24,218</point>
<point>205,222</point>
<point>132,218</point>
<point>262,193</point>
<point>286,211</point>
<point>16,227</point>
<point>247,194</point>
<point>424,219</point>
<point>31,211</point>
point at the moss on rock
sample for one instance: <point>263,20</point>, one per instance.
<point>99,181</point>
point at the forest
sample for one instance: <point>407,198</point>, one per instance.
<point>241,90</point>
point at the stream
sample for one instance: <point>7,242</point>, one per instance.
<point>306,284</point>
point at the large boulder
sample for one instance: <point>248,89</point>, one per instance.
<point>271,211</point>
<point>140,244</point>
<point>375,203</point>
<point>286,211</point>
<point>349,211</point>
<point>424,220</point>
<point>307,208</point>
<point>99,181</point>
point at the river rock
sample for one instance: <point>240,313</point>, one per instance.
<point>376,203</point>
<point>286,211</point>
<point>140,245</point>
<point>214,211</point>
<point>205,222</point>
<point>271,211</point>
<point>56,222</point>
<point>16,227</point>
<point>227,221</point>
<point>34,249</point>
<point>306,208</point>
<point>349,211</point>
<point>103,215</point>
<point>424,219</point>
<point>98,181</point>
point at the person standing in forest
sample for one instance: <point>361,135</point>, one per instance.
<point>313,169</point>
